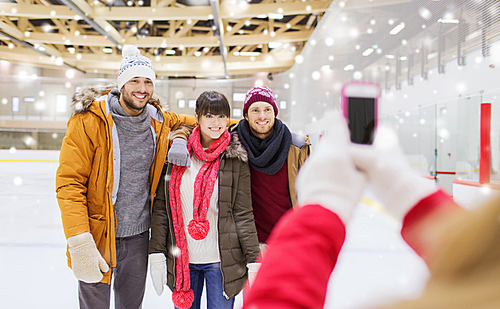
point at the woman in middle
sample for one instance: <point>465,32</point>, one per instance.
<point>202,227</point>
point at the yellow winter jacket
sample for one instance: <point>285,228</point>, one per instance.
<point>87,180</point>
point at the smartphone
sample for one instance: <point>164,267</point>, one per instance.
<point>360,104</point>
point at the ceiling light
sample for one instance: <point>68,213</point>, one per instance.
<point>367,52</point>
<point>397,29</point>
<point>274,44</point>
<point>389,56</point>
<point>262,16</point>
<point>249,54</point>
<point>425,13</point>
<point>107,50</point>
<point>349,67</point>
<point>169,52</point>
<point>448,21</point>
<point>47,27</point>
<point>275,16</point>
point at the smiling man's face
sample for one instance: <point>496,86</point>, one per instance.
<point>135,94</point>
<point>260,117</point>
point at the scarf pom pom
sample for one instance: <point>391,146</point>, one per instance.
<point>183,299</point>
<point>198,229</point>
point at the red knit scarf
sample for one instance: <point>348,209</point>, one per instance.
<point>198,228</point>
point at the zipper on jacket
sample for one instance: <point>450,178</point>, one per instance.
<point>218,232</point>
<point>109,201</point>
<point>154,164</point>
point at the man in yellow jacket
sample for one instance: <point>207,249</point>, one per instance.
<point>109,167</point>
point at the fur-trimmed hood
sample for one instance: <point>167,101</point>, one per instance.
<point>83,99</point>
<point>235,149</point>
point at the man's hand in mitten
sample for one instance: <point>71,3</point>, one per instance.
<point>178,153</point>
<point>86,261</point>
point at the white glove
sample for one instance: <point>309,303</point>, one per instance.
<point>253,268</point>
<point>393,181</point>
<point>329,177</point>
<point>158,271</point>
<point>87,263</point>
<point>178,153</point>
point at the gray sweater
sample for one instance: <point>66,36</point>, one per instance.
<point>136,156</point>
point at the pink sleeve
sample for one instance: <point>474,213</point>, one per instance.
<point>439,201</point>
<point>302,253</point>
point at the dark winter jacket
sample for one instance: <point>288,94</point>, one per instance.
<point>238,243</point>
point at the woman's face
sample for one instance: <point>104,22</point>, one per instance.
<point>211,127</point>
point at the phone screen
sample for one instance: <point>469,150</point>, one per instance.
<point>361,113</point>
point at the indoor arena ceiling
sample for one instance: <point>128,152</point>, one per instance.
<point>208,38</point>
<point>183,37</point>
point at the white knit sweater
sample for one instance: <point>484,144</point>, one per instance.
<point>206,250</point>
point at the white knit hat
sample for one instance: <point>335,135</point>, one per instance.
<point>134,65</point>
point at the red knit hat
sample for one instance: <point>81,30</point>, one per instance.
<point>259,94</point>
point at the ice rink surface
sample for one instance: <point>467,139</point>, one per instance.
<point>375,265</point>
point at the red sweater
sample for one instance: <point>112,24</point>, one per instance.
<point>303,251</point>
<point>270,199</point>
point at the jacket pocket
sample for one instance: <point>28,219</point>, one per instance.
<point>98,231</point>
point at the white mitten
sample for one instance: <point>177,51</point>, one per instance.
<point>329,177</point>
<point>253,268</point>
<point>393,181</point>
<point>158,271</point>
<point>87,263</point>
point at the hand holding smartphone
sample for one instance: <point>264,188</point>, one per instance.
<point>360,107</point>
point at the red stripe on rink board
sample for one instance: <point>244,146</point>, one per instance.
<point>485,152</point>
<point>477,184</point>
